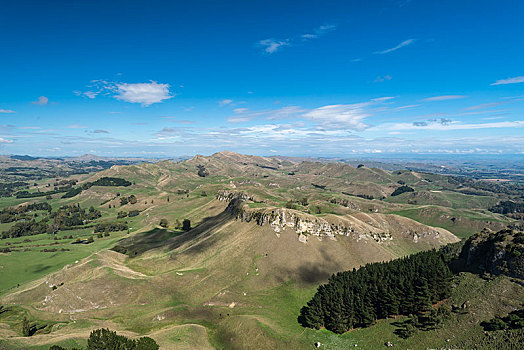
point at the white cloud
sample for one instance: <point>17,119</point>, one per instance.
<point>41,101</point>
<point>2,140</point>
<point>348,116</point>
<point>143,93</point>
<point>513,80</point>
<point>402,44</point>
<point>443,98</point>
<point>6,111</point>
<point>271,45</point>
<point>225,102</point>
<point>76,126</point>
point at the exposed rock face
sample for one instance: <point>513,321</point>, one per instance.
<point>496,253</point>
<point>280,219</point>
<point>228,196</point>
<point>377,227</point>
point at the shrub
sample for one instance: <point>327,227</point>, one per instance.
<point>164,223</point>
<point>402,189</point>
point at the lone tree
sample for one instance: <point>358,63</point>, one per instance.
<point>186,225</point>
<point>132,199</point>
<point>164,223</point>
<point>202,171</point>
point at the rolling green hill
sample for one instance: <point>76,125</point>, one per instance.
<point>264,233</point>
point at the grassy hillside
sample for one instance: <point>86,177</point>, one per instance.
<point>229,282</point>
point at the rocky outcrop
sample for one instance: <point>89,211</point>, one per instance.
<point>495,253</point>
<point>376,227</point>
<point>280,219</point>
<point>228,196</point>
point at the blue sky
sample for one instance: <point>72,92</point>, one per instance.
<point>319,78</point>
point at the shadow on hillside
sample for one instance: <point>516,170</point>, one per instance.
<point>170,240</point>
<point>313,273</point>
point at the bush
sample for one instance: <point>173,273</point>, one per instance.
<point>104,339</point>
<point>111,181</point>
<point>164,223</point>
<point>72,192</point>
<point>402,189</point>
<point>110,227</point>
<point>186,225</point>
<point>132,199</point>
<point>515,320</point>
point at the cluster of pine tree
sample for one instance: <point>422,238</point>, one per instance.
<point>104,339</point>
<point>358,298</point>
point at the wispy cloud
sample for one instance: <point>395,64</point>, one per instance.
<point>272,45</point>
<point>513,80</point>
<point>451,125</point>
<point>441,121</point>
<point>30,127</point>
<point>76,126</point>
<point>239,119</point>
<point>176,120</point>
<point>41,101</point>
<point>100,131</point>
<point>485,105</point>
<point>401,45</point>
<point>6,111</point>
<point>383,99</point>
<point>2,140</point>
<point>319,32</point>
<point>349,116</point>
<point>240,110</point>
<point>225,102</point>
<point>443,98</point>
<point>381,79</point>
<point>244,114</point>
<point>170,133</point>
